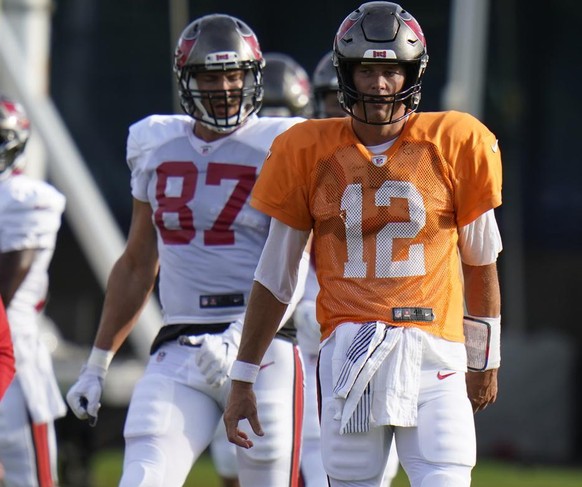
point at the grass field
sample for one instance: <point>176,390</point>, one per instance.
<point>106,471</point>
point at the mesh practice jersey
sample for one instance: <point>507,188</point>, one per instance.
<point>385,226</point>
<point>30,217</point>
<point>209,238</point>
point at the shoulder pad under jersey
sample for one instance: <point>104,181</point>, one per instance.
<point>29,206</point>
<point>153,131</point>
<point>261,133</point>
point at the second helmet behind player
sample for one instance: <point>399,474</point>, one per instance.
<point>325,89</point>
<point>287,87</point>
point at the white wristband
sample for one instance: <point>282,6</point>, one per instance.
<point>483,342</point>
<point>100,358</point>
<point>244,372</point>
<point>495,344</point>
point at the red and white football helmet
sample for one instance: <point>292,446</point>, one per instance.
<point>380,32</point>
<point>218,42</point>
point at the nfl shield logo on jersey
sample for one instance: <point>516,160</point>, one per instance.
<point>379,161</point>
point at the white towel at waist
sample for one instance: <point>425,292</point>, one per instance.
<point>376,372</point>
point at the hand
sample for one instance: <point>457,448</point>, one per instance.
<point>242,404</point>
<point>217,353</point>
<point>482,388</point>
<point>84,396</point>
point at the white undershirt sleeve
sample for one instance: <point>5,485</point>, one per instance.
<point>480,241</point>
<point>278,267</point>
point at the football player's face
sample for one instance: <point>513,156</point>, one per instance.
<point>379,79</point>
<point>223,91</point>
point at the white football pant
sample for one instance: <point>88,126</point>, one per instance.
<point>174,413</point>
<point>439,452</point>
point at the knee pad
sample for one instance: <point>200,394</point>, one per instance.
<point>140,474</point>
<point>447,434</point>
<point>146,465</point>
<point>448,479</point>
<point>150,409</point>
<point>277,439</point>
<point>352,456</point>
<point>143,466</point>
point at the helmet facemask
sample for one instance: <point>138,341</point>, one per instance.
<point>409,95</point>
<point>249,99</point>
<point>10,148</point>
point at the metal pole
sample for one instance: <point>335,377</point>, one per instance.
<point>179,17</point>
<point>31,23</point>
<point>467,56</point>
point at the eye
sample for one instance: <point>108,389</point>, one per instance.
<point>363,70</point>
<point>234,78</point>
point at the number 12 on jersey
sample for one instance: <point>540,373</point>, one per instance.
<point>352,205</point>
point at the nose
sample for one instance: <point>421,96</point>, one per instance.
<point>225,83</point>
<point>380,82</point>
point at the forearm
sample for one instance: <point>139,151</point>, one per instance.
<point>128,290</point>
<point>264,314</point>
<point>482,293</point>
<point>14,267</point>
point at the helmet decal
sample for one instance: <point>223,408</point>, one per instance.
<point>253,43</point>
<point>345,27</point>
<point>411,22</point>
<point>183,50</point>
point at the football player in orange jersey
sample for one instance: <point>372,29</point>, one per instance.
<point>399,202</point>
<point>325,91</point>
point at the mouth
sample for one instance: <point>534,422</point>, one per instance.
<point>378,100</point>
<point>223,109</point>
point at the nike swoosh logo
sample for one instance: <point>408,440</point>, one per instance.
<point>441,376</point>
<point>495,146</point>
<point>264,366</point>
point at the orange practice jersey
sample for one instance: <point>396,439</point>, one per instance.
<point>385,227</point>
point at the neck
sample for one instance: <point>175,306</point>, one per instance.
<point>205,134</point>
<point>377,134</point>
